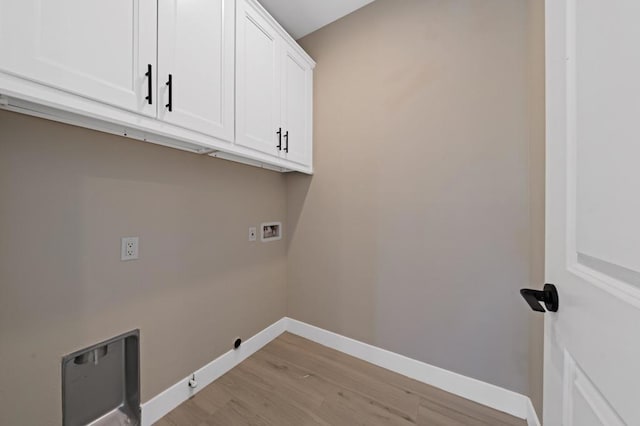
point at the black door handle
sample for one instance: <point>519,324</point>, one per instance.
<point>286,140</point>
<point>279,133</point>
<point>149,97</point>
<point>548,295</point>
<point>170,85</point>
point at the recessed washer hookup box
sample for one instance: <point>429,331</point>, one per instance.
<point>101,383</point>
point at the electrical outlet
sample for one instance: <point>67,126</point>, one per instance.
<point>253,233</point>
<point>129,248</point>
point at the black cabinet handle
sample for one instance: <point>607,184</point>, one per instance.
<point>548,295</point>
<point>286,141</point>
<point>170,85</point>
<point>279,133</point>
<point>149,96</point>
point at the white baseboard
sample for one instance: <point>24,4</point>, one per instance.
<point>162,404</point>
<point>498,398</point>
<point>481,392</point>
<point>532,416</point>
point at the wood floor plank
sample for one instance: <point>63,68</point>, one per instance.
<point>262,398</point>
<point>406,384</point>
<point>431,413</point>
<point>191,414</point>
<point>164,422</point>
<point>427,417</point>
<point>292,381</point>
<point>346,408</point>
<point>348,378</point>
<point>233,413</point>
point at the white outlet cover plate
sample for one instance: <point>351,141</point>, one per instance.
<point>253,233</point>
<point>129,248</point>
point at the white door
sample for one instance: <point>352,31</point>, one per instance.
<point>94,48</point>
<point>257,81</point>
<point>296,108</point>
<point>196,47</point>
<point>592,344</point>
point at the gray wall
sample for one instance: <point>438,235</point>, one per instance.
<point>417,230</point>
<point>68,195</point>
<point>536,67</point>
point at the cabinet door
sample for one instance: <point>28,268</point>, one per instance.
<point>297,108</point>
<point>257,81</point>
<point>94,48</point>
<point>196,47</point>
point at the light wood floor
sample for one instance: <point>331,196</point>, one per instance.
<point>293,381</point>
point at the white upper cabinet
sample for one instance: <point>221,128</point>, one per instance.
<point>297,82</point>
<point>100,50</point>
<point>273,88</point>
<point>258,64</point>
<point>196,51</point>
<point>217,77</point>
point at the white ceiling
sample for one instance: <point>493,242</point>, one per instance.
<point>302,17</point>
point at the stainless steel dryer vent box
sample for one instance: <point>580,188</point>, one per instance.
<point>101,383</point>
